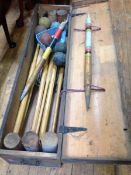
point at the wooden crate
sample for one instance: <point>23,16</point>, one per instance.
<point>106,140</point>
<point>23,157</point>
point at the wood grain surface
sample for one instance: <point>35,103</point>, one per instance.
<point>121,25</point>
<point>67,169</point>
<point>105,138</point>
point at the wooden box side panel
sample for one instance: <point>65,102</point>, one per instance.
<point>30,158</point>
<point>24,157</point>
<point>121,30</point>
<point>104,120</point>
<point>82,3</point>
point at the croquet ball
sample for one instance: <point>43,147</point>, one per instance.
<point>55,24</point>
<point>61,15</point>
<point>46,38</point>
<point>45,22</point>
<point>52,15</point>
<point>60,47</point>
<point>39,29</point>
<point>59,58</point>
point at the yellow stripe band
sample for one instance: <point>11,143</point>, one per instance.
<point>47,52</point>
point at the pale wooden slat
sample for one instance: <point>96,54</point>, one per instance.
<point>18,169</point>
<point>65,170</point>
<point>104,170</point>
<point>120,15</point>
<point>105,114</point>
<point>123,170</point>
<point>81,3</point>
<point>3,167</point>
<point>83,169</point>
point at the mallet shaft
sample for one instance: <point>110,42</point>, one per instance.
<point>35,72</point>
<point>57,100</point>
<point>23,105</point>
<point>36,119</point>
<point>48,78</point>
<point>46,112</point>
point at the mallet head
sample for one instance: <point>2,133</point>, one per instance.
<point>12,141</point>
<point>49,142</point>
<point>30,141</point>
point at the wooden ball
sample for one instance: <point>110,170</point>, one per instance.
<point>52,15</point>
<point>45,22</point>
<point>39,29</point>
<point>60,47</point>
<point>61,15</point>
<point>59,58</point>
<point>46,38</point>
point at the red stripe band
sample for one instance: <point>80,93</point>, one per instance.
<point>58,33</point>
<point>88,50</point>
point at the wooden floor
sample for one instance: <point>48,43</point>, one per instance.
<point>67,169</point>
<point>10,66</point>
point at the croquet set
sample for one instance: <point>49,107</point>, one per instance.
<point>36,119</point>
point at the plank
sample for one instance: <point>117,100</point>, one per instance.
<point>104,170</point>
<point>128,34</point>
<point>80,3</point>
<point>105,114</point>
<point>18,169</point>
<point>120,15</point>
<point>123,170</point>
<point>82,169</point>
<point>65,170</point>
<point>3,167</point>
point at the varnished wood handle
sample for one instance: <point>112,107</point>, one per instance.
<point>23,105</point>
<point>36,119</point>
<point>36,125</point>
<point>47,107</point>
<point>57,100</point>
<point>36,71</point>
<point>88,78</point>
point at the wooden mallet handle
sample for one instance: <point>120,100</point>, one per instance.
<point>37,119</point>
<point>57,100</point>
<point>46,112</point>
<point>36,125</point>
